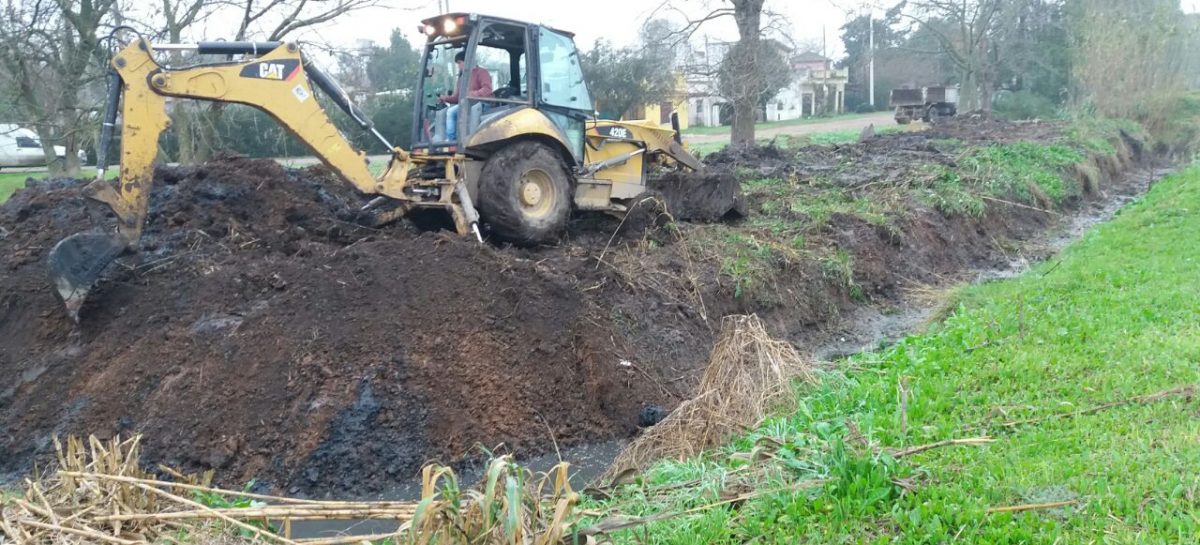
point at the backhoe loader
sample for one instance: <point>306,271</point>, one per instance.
<point>520,159</point>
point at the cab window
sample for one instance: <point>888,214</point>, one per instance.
<point>501,52</point>
<point>562,78</point>
<point>27,142</point>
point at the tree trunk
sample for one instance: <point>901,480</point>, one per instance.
<point>747,15</point>
<point>54,166</point>
<point>968,94</point>
<point>985,76</point>
<point>71,167</point>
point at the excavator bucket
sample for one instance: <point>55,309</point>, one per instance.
<point>77,261</point>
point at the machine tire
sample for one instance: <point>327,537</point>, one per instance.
<point>525,193</point>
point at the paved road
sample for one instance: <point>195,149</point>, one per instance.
<point>837,124</point>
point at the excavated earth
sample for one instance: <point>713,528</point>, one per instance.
<point>262,332</point>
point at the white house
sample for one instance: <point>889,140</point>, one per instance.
<point>817,88</point>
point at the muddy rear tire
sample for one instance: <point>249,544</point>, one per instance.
<point>525,193</point>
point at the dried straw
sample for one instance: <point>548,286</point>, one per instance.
<point>100,494</point>
<point>749,375</point>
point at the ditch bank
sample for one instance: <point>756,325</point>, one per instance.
<point>261,332</point>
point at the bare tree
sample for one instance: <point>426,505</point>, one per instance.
<point>965,31</point>
<point>296,15</point>
<point>748,72</point>
<point>178,16</point>
<point>50,58</point>
<point>270,20</point>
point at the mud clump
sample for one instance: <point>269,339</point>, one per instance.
<point>713,194</point>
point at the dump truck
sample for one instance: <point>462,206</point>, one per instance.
<point>505,135</point>
<point>927,103</point>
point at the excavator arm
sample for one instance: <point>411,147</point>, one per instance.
<point>279,82</point>
<point>275,83</point>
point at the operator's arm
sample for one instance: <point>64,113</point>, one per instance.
<point>452,98</point>
<point>480,83</point>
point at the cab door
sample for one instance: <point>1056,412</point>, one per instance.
<point>562,93</point>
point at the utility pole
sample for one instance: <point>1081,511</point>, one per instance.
<point>871,56</point>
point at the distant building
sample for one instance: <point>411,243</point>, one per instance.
<point>700,77</point>
<point>817,88</point>
<point>661,111</point>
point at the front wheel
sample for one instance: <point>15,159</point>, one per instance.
<point>525,193</point>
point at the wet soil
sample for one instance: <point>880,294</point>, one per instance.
<point>262,332</point>
<point>259,334</point>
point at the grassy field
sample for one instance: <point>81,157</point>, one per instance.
<point>1083,374</point>
<point>787,123</point>
<point>12,181</point>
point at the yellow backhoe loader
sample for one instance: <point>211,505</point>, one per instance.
<point>517,159</point>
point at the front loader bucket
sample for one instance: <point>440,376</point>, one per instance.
<point>76,263</point>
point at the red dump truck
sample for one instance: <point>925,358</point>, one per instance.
<point>926,104</point>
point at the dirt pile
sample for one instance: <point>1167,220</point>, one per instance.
<point>263,332</point>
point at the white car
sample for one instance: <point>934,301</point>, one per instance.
<point>21,148</point>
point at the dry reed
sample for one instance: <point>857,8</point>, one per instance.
<point>100,494</point>
<point>748,375</point>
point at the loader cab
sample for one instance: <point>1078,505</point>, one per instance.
<point>537,86</point>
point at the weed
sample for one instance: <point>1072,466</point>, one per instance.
<point>746,261</point>
<point>1026,172</point>
<point>745,173</point>
<point>1096,134</point>
<point>840,268</point>
<point>949,193</point>
<point>947,144</point>
<point>1018,169</point>
<point>218,501</point>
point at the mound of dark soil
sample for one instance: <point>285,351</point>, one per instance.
<point>262,332</point>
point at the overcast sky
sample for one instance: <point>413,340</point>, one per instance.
<point>807,22</point>
<point>615,20</point>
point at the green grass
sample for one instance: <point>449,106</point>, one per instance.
<point>1092,133</point>
<point>1025,172</point>
<point>787,214</point>
<point>12,181</point>
<point>1116,316</point>
<point>772,124</point>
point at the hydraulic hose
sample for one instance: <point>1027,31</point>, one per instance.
<point>341,99</point>
<point>108,125</point>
